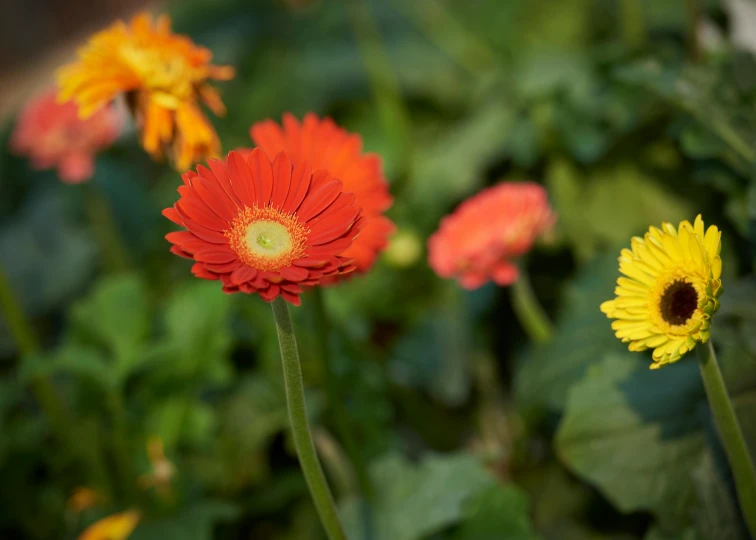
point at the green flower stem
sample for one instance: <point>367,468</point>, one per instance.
<point>112,249</point>
<point>27,343</point>
<point>19,326</point>
<point>633,23</point>
<point>529,311</point>
<point>308,459</point>
<point>729,431</point>
<point>694,17</point>
<point>383,83</point>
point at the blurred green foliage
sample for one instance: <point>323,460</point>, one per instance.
<point>440,420</point>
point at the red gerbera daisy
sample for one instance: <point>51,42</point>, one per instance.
<point>325,145</point>
<point>264,228</point>
<point>53,136</point>
<point>478,241</point>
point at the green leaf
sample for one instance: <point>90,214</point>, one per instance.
<point>635,434</point>
<point>716,515</point>
<point>415,501</point>
<point>192,522</point>
<point>196,325</point>
<point>498,511</point>
<point>116,316</point>
<point>83,362</point>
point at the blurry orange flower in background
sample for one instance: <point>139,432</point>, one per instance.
<point>479,240</point>
<point>324,145</point>
<point>264,227</point>
<point>114,527</point>
<point>163,76</point>
<point>53,136</point>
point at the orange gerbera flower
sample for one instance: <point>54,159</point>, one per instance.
<point>264,228</point>
<point>478,241</point>
<point>163,76</point>
<point>324,145</point>
<point>53,135</point>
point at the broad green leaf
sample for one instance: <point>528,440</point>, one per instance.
<point>716,515</point>
<point>498,511</point>
<point>635,434</point>
<point>116,316</point>
<point>194,521</point>
<point>413,501</point>
<point>196,324</point>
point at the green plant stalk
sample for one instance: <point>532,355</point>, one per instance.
<point>295,400</point>
<point>386,91</point>
<point>633,19</point>
<point>26,340</point>
<point>730,433</point>
<point>529,311</point>
<point>20,328</point>
<point>113,251</point>
<point>694,16</point>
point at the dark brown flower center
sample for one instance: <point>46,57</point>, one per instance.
<point>679,302</point>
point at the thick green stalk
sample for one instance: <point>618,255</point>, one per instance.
<point>112,249</point>
<point>730,433</point>
<point>295,399</point>
<point>529,311</point>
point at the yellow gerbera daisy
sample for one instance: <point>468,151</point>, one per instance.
<point>163,76</point>
<point>670,290</point>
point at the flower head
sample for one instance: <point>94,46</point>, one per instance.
<point>163,76</point>
<point>53,136</point>
<point>324,145</point>
<point>669,290</point>
<point>262,227</point>
<point>478,241</point>
<point>114,527</point>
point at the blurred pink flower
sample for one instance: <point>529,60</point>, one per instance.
<point>477,242</point>
<point>52,136</point>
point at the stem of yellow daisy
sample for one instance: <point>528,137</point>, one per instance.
<point>295,399</point>
<point>729,431</point>
<point>529,311</point>
<point>112,249</point>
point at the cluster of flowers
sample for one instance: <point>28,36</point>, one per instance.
<point>306,206</point>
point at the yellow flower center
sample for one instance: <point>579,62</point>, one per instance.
<point>266,238</point>
<point>168,75</point>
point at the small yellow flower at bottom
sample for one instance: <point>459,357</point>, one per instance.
<point>669,290</point>
<point>114,527</point>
